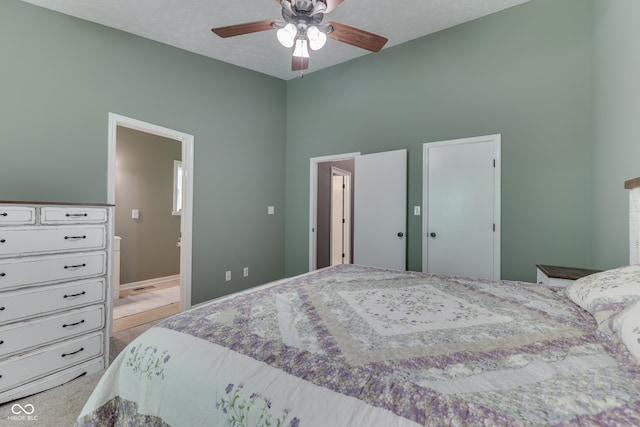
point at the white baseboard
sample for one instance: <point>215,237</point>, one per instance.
<point>149,282</point>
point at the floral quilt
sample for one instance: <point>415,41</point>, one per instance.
<point>361,346</point>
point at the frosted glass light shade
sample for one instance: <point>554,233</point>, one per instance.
<point>287,35</point>
<point>301,49</point>
<point>317,38</point>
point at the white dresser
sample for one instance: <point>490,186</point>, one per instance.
<point>55,294</point>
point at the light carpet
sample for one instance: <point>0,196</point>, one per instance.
<point>144,301</point>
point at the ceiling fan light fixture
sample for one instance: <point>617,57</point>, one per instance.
<point>301,49</point>
<point>317,38</point>
<point>287,35</point>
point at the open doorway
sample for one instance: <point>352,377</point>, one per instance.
<point>376,235</point>
<point>130,137</point>
<point>330,238</point>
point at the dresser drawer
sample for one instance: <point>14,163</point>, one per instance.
<point>37,240</point>
<point>18,370</point>
<point>86,368</point>
<point>21,336</point>
<point>72,214</point>
<point>16,305</point>
<point>44,269</point>
<point>16,215</point>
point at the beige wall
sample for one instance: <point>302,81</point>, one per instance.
<point>144,181</point>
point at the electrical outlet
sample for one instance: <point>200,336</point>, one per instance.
<point>245,271</point>
<point>227,276</point>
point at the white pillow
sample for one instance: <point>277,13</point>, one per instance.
<point>613,298</point>
<point>612,286</point>
<point>627,325</point>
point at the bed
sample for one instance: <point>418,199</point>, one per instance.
<point>354,345</point>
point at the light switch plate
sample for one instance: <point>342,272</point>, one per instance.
<point>416,210</point>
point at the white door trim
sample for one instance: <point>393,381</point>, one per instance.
<point>496,139</point>
<point>313,196</point>
<point>186,223</point>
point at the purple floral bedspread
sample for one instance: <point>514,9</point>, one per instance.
<point>360,346</point>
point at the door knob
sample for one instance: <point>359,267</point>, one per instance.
<point>401,234</point>
<point>432,234</point>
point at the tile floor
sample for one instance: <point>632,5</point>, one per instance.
<point>143,317</point>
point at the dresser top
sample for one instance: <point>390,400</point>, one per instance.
<point>14,202</point>
<point>569,273</point>
<point>632,183</point>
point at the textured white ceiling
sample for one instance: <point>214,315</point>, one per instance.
<point>187,24</point>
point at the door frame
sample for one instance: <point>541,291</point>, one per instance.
<point>497,188</point>
<point>345,217</point>
<point>186,218</point>
<point>313,196</point>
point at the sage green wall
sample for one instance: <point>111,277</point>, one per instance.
<point>61,76</point>
<point>616,125</point>
<point>557,79</point>
<point>523,72</point>
<point>144,181</point>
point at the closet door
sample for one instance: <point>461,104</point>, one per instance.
<point>461,229</point>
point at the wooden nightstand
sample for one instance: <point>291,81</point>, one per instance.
<point>550,275</point>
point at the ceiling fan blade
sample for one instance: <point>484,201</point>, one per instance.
<point>299,63</point>
<point>240,29</point>
<point>332,4</point>
<point>356,37</point>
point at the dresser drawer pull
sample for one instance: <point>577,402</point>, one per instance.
<point>3,274</point>
<point>74,237</point>
<point>4,214</point>
<point>75,266</point>
<point>1,308</point>
<point>75,295</point>
<point>81,375</point>
<point>75,215</point>
<point>2,240</point>
<point>71,354</point>
<point>68,325</point>
<point>1,342</point>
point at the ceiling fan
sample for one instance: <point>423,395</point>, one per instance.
<point>303,28</point>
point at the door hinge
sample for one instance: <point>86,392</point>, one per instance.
<point>494,163</point>
<point>494,227</point>
<point>343,220</point>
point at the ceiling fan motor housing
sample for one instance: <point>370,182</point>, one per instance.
<point>304,5</point>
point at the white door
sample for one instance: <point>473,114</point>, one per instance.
<point>340,240</point>
<point>461,228</point>
<point>380,209</point>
